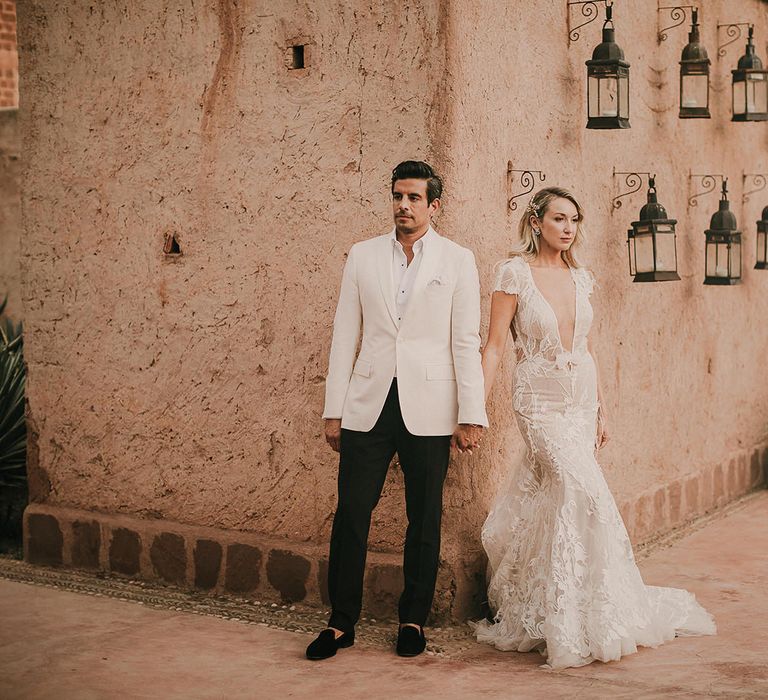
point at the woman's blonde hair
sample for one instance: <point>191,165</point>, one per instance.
<point>527,244</point>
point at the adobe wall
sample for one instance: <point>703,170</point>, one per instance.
<point>10,213</point>
<point>188,389</point>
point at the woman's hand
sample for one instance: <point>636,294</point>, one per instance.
<point>602,430</point>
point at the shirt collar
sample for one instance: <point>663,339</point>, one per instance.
<point>426,239</point>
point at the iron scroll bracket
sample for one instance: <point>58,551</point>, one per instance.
<point>705,180</point>
<point>633,180</point>
<point>732,30</point>
<point>677,13</point>
<point>759,183</point>
<point>527,180</point>
<point>588,10</point>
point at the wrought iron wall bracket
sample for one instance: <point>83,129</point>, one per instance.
<point>732,30</point>
<point>527,180</point>
<point>633,180</point>
<point>588,10</point>
<point>759,182</point>
<point>707,181</point>
<point>677,13</point>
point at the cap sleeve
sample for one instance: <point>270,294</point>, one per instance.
<point>508,277</point>
<point>588,282</point>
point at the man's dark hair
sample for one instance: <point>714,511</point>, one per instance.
<point>421,171</point>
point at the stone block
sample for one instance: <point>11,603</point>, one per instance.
<point>742,475</point>
<point>764,476</point>
<point>168,555</point>
<point>755,473</point>
<point>44,540</point>
<point>692,507</point>
<point>124,552</point>
<point>383,586</point>
<point>643,518</point>
<point>707,490</point>
<point>287,572</point>
<point>86,544</point>
<point>718,486</point>
<point>322,581</point>
<point>660,517</point>
<point>674,498</point>
<point>732,487</point>
<point>207,557</point>
<point>243,568</point>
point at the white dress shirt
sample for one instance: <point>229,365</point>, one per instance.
<point>404,274</point>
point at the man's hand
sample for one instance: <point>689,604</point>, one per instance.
<point>466,437</point>
<point>333,433</point>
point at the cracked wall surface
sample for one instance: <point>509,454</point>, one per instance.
<point>190,388</point>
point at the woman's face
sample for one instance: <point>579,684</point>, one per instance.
<point>558,224</point>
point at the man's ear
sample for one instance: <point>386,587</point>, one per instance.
<point>434,205</point>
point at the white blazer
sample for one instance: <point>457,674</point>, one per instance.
<point>435,348</point>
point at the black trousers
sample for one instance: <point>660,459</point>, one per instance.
<point>363,464</point>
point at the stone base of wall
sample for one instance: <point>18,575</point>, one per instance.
<point>222,561</point>
<point>671,506</point>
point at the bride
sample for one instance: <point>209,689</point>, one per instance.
<point>563,576</point>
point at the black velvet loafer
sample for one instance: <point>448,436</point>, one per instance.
<point>326,644</point>
<point>410,641</point>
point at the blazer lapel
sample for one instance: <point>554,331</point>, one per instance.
<point>384,266</point>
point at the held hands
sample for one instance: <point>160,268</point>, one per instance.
<point>602,431</point>
<point>466,437</point>
<point>333,433</point>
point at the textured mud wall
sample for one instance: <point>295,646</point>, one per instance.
<point>681,362</point>
<point>9,59</point>
<point>10,213</point>
<point>190,388</point>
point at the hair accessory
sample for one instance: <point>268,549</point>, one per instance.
<point>531,208</point>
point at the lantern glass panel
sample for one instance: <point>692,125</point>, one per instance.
<point>608,105</point>
<point>624,96</point>
<point>694,91</point>
<point>762,253</point>
<point>757,93</point>
<point>721,260</point>
<point>739,97</point>
<point>643,252</point>
<point>711,254</point>
<point>735,260</point>
<point>665,249</point>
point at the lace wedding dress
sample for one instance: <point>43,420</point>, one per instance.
<point>564,579</point>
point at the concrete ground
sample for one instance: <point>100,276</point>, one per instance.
<point>65,645</point>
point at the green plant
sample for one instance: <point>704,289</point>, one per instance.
<point>13,428</point>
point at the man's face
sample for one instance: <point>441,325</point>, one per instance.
<point>409,205</point>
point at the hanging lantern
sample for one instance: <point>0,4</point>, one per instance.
<point>694,76</point>
<point>651,242</point>
<point>750,87</point>
<point>762,242</point>
<point>723,248</point>
<point>608,82</point>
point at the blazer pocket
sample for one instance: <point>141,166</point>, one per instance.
<point>444,373</point>
<point>363,368</point>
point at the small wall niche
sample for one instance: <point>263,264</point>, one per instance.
<point>171,246</point>
<point>299,53</point>
<point>297,57</point>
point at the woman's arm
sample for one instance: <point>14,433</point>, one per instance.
<point>503,308</point>
<point>602,430</point>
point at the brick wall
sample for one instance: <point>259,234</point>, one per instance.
<point>9,58</point>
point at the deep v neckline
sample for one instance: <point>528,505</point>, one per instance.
<point>552,310</point>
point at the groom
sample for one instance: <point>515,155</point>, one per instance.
<point>415,389</point>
